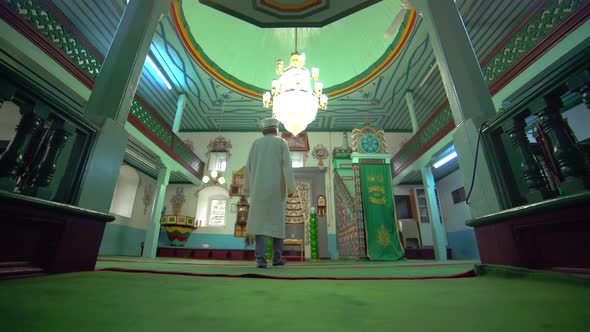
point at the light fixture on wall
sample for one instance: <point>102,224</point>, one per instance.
<point>292,98</point>
<point>215,178</point>
<point>158,72</point>
<point>445,159</point>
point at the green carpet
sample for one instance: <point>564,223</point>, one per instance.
<point>321,269</point>
<point>113,301</point>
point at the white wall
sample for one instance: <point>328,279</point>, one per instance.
<point>124,236</point>
<point>455,215</point>
<point>461,239</point>
<point>9,119</point>
<point>241,143</point>
<point>579,120</point>
<point>141,213</point>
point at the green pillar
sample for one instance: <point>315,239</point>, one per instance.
<point>115,87</point>
<point>179,110</point>
<point>412,110</point>
<point>438,231</point>
<point>152,235</point>
<point>468,95</point>
<point>110,101</point>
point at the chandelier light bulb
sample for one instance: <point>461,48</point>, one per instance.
<point>266,100</point>
<point>221,180</point>
<point>214,174</point>
<point>315,73</point>
<point>205,179</point>
<point>319,86</point>
<point>293,100</point>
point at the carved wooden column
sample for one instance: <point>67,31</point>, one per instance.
<point>537,188</point>
<point>7,91</point>
<point>41,173</point>
<point>14,159</point>
<point>566,153</point>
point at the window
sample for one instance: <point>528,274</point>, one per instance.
<point>212,206</point>
<point>217,161</point>
<point>458,195</point>
<point>124,196</point>
<point>297,159</point>
<point>217,210</point>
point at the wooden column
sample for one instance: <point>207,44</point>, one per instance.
<point>44,164</point>
<point>537,189</point>
<point>13,161</point>
<point>566,153</point>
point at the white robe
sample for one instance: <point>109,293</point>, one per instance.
<point>268,180</point>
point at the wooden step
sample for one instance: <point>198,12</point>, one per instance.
<point>13,270</point>
<point>14,264</point>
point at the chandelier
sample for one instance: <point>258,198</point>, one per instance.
<point>215,178</point>
<point>293,101</point>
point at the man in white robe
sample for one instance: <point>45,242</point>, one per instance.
<point>268,181</point>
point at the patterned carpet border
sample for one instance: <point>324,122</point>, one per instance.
<point>466,274</point>
<point>334,267</point>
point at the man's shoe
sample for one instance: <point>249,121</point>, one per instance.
<point>279,263</point>
<point>261,266</point>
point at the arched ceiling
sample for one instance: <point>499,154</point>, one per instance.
<point>216,105</point>
<point>242,56</point>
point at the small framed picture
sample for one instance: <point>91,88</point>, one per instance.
<point>234,208</point>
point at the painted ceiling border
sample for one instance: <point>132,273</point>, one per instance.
<point>292,24</point>
<point>255,93</point>
<point>286,7</point>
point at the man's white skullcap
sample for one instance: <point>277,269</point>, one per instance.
<point>269,122</point>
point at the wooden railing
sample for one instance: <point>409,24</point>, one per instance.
<point>45,26</point>
<point>347,230</point>
<point>552,162</point>
<point>547,24</point>
<point>47,155</point>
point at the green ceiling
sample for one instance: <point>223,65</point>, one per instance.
<point>342,50</point>
<point>213,106</point>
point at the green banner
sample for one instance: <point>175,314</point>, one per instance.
<point>381,229</point>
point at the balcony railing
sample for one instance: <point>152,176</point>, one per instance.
<point>532,152</point>
<point>42,23</point>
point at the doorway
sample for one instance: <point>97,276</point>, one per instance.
<point>311,183</point>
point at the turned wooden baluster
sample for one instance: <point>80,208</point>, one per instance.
<point>537,188</point>
<point>566,153</point>
<point>585,91</point>
<point>7,91</point>
<point>13,161</point>
<point>43,171</point>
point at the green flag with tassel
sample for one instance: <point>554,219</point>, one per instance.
<point>381,229</point>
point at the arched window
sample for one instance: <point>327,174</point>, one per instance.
<point>212,206</point>
<point>124,196</point>
<point>298,159</point>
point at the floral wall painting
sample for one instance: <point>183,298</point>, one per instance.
<point>190,144</point>
<point>148,197</point>
<point>219,144</point>
<point>320,153</point>
<point>218,153</point>
<point>178,200</point>
<point>296,143</point>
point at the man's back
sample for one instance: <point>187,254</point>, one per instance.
<point>266,162</point>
